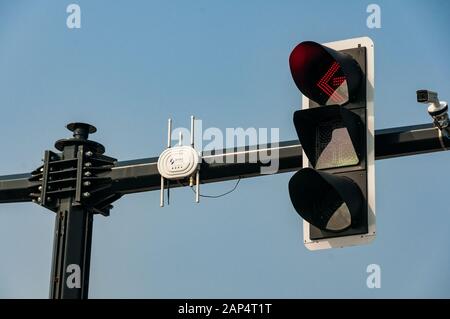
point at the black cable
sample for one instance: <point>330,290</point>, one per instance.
<point>221,195</point>
<point>215,196</point>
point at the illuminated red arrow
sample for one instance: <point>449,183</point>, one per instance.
<point>324,85</point>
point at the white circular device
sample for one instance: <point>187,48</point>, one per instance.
<point>178,162</point>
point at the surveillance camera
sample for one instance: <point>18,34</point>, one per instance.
<point>438,110</point>
<point>435,107</point>
<point>426,96</point>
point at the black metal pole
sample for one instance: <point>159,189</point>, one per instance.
<point>72,243</point>
<point>71,252</point>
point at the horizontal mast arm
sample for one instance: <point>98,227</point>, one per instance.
<point>142,174</point>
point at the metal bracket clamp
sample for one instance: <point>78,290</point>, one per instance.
<point>438,110</point>
<point>80,177</point>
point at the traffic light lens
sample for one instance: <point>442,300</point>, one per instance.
<point>329,202</point>
<point>330,136</point>
<point>340,220</point>
<point>334,147</point>
<point>318,75</point>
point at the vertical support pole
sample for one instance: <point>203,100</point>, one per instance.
<point>71,252</point>
<point>71,246</point>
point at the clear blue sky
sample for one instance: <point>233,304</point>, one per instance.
<point>133,64</point>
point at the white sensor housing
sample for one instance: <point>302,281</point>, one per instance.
<point>178,162</point>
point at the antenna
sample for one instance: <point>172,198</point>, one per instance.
<point>169,142</point>
<point>179,163</point>
<point>197,174</point>
<point>192,130</point>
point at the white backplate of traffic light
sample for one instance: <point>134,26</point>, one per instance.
<point>352,240</point>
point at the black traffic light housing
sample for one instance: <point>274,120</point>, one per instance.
<point>332,194</point>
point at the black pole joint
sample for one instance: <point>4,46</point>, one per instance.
<point>75,184</point>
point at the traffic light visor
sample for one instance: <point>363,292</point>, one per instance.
<point>326,76</point>
<point>329,202</point>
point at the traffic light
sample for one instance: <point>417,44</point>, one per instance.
<point>334,193</point>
